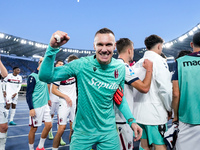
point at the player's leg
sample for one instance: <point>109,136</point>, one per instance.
<point>31,137</point>
<point>109,141</point>
<point>62,142</point>
<point>81,141</point>
<point>52,112</point>
<point>8,103</point>
<point>63,113</point>
<point>12,113</point>
<point>34,123</point>
<point>71,119</point>
<point>46,118</point>
<point>188,137</point>
<point>155,134</point>
<point>160,147</point>
<point>3,127</point>
<point>58,136</point>
<point>126,136</point>
<point>71,130</point>
<point>144,144</point>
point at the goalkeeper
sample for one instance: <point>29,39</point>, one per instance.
<point>98,78</point>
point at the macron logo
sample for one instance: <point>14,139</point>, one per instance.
<point>99,84</point>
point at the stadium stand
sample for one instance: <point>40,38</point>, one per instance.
<point>26,66</point>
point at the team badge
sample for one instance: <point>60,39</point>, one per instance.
<point>116,74</point>
<point>129,145</point>
<point>36,122</point>
<point>94,68</point>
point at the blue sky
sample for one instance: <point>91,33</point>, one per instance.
<point>135,19</point>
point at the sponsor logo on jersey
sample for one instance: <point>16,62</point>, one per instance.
<point>68,81</point>
<point>116,74</point>
<point>14,81</point>
<point>191,63</point>
<point>99,84</point>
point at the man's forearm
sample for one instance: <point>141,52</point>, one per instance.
<point>47,66</point>
<point>125,110</point>
<point>147,79</point>
<point>175,100</point>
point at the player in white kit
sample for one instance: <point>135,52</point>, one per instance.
<point>13,85</point>
<point>125,50</point>
<point>37,97</point>
<point>152,109</point>
<point>66,90</point>
<point>54,103</point>
<point>3,119</point>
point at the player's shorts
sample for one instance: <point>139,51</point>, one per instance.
<point>64,111</point>
<point>126,136</point>
<point>3,118</point>
<point>42,115</point>
<point>154,133</point>
<point>188,137</point>
<point>10,100</point>
<point>54,107</point>
<point>109,141</point>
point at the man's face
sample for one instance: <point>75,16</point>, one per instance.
<point>17,71</point>
<point>60,63</point>
<point>104,44</point>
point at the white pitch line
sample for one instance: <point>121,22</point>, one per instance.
<point>9,137</point>
<point>10,126</point>
<point>20,113</point>
<point>23,109</point>
<point>21,118</point>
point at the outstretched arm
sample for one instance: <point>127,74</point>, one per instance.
<point>47,71</point>
<point>144,86</point>
<point>4,71</point>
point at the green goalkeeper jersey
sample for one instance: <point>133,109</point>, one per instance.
<point>97,84</point>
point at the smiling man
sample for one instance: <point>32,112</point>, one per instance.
<point>98,78</point>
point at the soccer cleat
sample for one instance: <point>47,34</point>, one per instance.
<point>40,148</point>
<point>50,135</point>
<point>12,123</point>
<point>62,142</point>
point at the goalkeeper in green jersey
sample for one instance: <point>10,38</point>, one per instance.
<point>98,78</point>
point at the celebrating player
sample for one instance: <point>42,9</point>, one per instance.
<point>98,79</point>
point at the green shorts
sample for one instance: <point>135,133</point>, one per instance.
<point>108,141</point>
<point>152,133</point>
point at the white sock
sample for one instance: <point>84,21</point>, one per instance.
<point>7,113</point>
<point>54,148</point>
<point>31,146</point>
<point>2,141</point>
<point>41,143</point>
<point>12,114</point>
